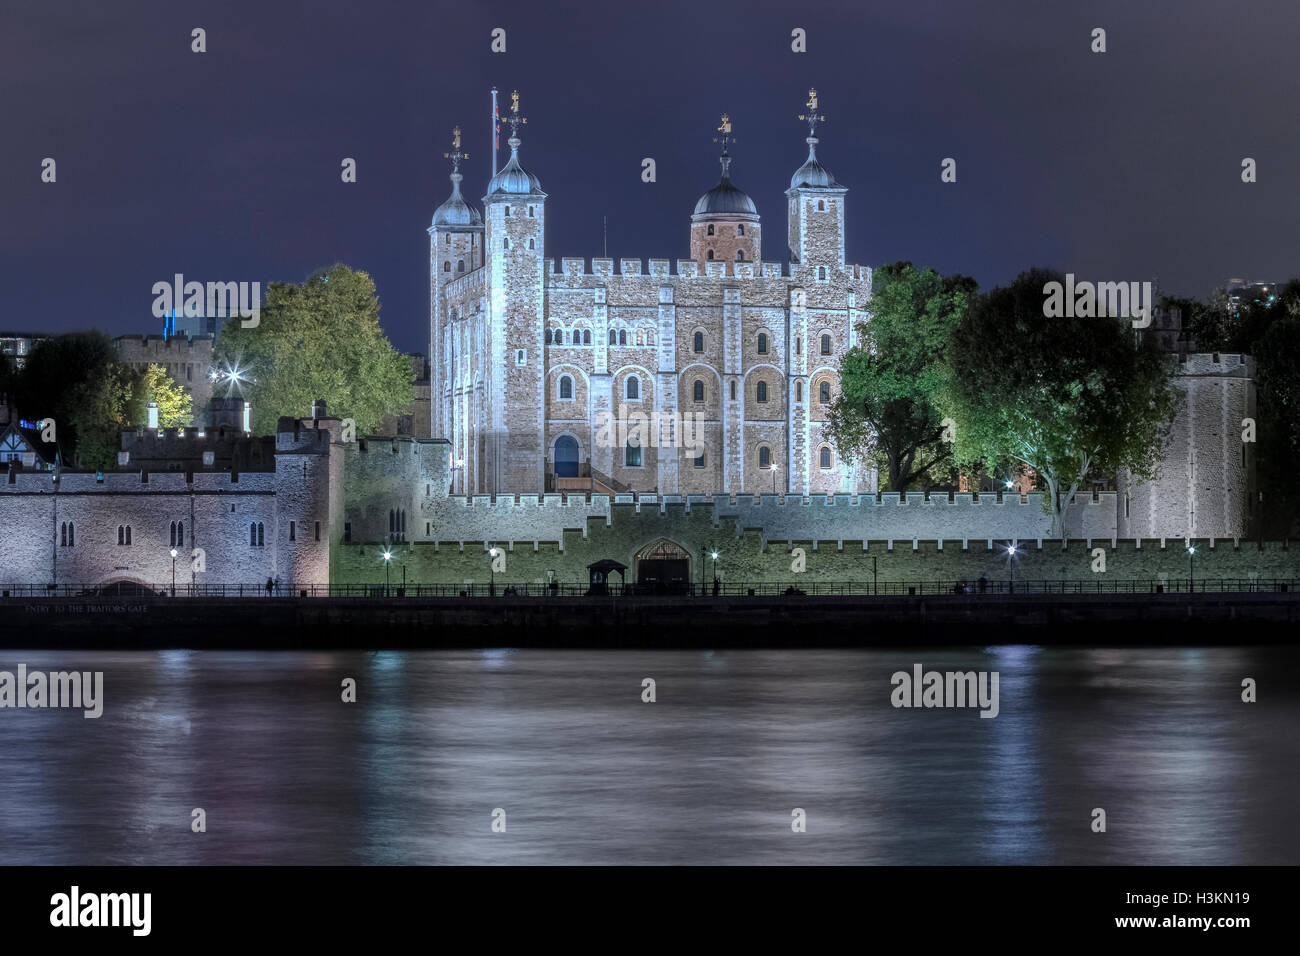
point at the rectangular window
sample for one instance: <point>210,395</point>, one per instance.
<point>347,531</point>
<point>293,531</point>
<point>317,530</point>
<point>699,462</point>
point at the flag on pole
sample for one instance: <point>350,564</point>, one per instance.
<point>496,131</point>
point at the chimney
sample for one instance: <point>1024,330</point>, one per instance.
<point>248,416</point>
<point>153,415</point>
<point>318,409</point>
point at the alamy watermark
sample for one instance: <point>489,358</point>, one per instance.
<point>652,430</point>
<point>947,689</point>
<point>216,300</point>
<point>37,689</point>
<point>1085,300</point>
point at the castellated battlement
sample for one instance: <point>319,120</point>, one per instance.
<point>575,266</point>
<point>138,483</point>
<point>812,517</point>
<point>1229,364</point>
<point>467,285</point>
<point>181,346</point>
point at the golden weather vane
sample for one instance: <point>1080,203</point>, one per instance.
<point>725,129</point>
<point>813,116</point>
<point>514,119</point>
<point>456,154</point>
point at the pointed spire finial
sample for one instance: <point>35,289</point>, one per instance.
<point>725,129</point>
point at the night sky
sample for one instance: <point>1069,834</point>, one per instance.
<point>225,166</point>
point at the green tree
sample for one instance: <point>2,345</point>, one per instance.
<point>1067,397</point>
<point>886,413</point>
<point>175,406</point>
<point>76,380</point>
<point>317,340</point>
<point>1277,370</point>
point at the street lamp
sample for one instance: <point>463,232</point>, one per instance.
<point>1191,568</point>
<point>388,557</point>
<point>492,570</point>
<point>1011,560</point>
<point>173,572</point>
<point>714,555</point>
<point>773,477</point>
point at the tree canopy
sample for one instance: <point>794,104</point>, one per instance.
<point>886,413</point>
<point>1066,397</point>
<point>320,339</point>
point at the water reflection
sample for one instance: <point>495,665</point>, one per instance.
<point>708,773</point>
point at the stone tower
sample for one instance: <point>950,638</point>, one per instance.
<point>455,248</point>
<point>816,211</point>
<point>512,445</point>
<point>725,225</point>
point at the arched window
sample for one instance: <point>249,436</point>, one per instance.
<point>532,243</point>
<point>72,535</point>
<point>180,534</point>
<point>632,455</point>
<point>507,210</point>
<point>446,266</point>
<point>63,535</point>
<point>549,336</point>
<point>710,255</point>
<point>697,391</point>
<point>260,539</point>
<point>173,536</point>
<point>762,343</point>
<point>622,336</point>
<point>798,391</point>
<point>293,531</point>
<point>640,337</point>
<point>764,457</point>
<point>460,265</point>
<point>710,232</point>
<point>733,391</point>
<point>824,393</point>
<point>740,229</point>
<point>128,536</point>
<point>252,535</point>
<point>826,345</point>
<point>392,521</point>
<point>530,213</point>
<point>566,387</point>
<point>613,337</point>
<point>633,392</point>
<point>505,243</point>
<point>121,537</point>
<point>586,336</point>
<point>446,240</point>
<point>760,391</point>
<point>699,341</point>
<point>824,459</point>
<point>699,461</point>
<point>821,273</point>
<point>740,255</point>
<point>798,346</point>
<point>821,205</point>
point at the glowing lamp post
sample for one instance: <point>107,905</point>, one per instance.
<point>1191,568</point>
<point>388,557</point>
<point>173,572</point>
<point>1011,560</point>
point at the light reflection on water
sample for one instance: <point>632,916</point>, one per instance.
<point>709,773</point>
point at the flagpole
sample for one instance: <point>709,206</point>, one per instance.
<point>494,131</point>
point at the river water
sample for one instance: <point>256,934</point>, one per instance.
<point>584,771</point>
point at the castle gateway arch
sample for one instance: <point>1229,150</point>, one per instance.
<point>663,562</point>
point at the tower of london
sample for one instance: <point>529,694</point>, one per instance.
<point>528,358</point>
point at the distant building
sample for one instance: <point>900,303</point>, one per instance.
<point>188,360</point>
<point>415,421</point>
<point>21,444</point>
<point>1242,292</point>
<point>16,346</point>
